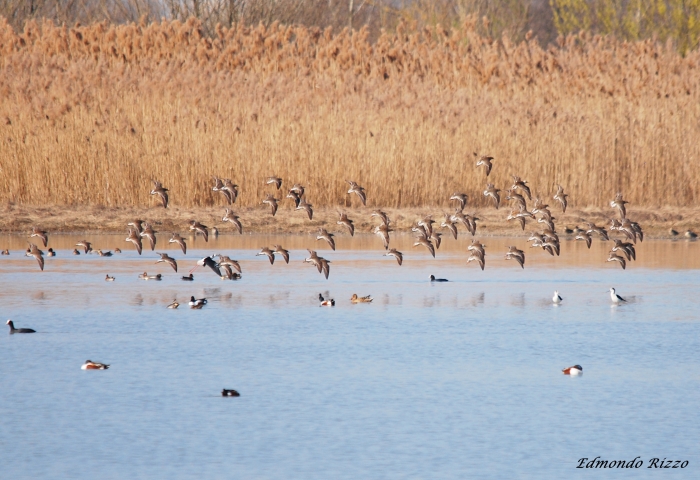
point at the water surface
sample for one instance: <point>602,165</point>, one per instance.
<point>453,380</point>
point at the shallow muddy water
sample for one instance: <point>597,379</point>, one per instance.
<point>460,379</point>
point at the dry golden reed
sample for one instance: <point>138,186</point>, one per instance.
<point>88,115</point>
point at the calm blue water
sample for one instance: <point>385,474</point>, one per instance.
<point>454,380</point>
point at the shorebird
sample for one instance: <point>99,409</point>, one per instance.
<point>161,192</point>
<point>135,238</point>
<point>176,238</point>
<point>461,198</point>
<point>426,243</point>
<point>209,262</point>
<point>150,234</point>
<point>520,216</point>
<point>485,161</point>
<point>137,224</point>
<point>592,228</point>
<point>229,216</point>
<point>36,232</point>
<point>174,305</point>
<point>522,185</point>
<point>634,227</point>
<point>549,222</point>
<point>18,330</point>
<point>231,189</point>
<point>281,251</point>
<point>517,198</point>
<point>616,258</point>
<point>306,206</point>
<point>556,299</point>
<point>272,202</point>
<point>477,257</point>
<point>299,189</point>
<point>383,231</point>
<point>382,216</point>
<point>321,264</point>
<point>477,247</point>
<point>226,192</point>
<point>619,203</point>
<point>396,254</point>
<point>225,260</point>
<point>561,197</point>
<point>294,196</point>
<point>435,238</point>
<point>108,278</point>
<point>347,223</point>
<point>90,365</point>
<point>355,188</point>
<point>228,273</point>
<point>433,279</point>
<point>516,254</point>
<point>325,267</point>
<point>165,258</point>
<point>33,251</point>
<point>323,234</point>
<point>626,248</point>
<point>356,299</point>
<point>270,254</point>
<point>584,236</point>
<point>199,228</point>
<point>615,297</point>
<point>450,225</point>
<point>575,370</point>
<point>460,217</point>
<point>229,393</point>
<point>276,180</point>
<point>85,244</point>
<point>493,192</point>
<point>690,235</point>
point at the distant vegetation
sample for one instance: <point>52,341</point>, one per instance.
<point>89,114</point>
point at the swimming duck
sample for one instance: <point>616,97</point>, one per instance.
<point>108,278</point>
<point>174,305</point>
<point>188,278</point>
<point>90,365</point>
<point>18,330</point>
<point>356,299</point>
<point>229,393</point>
<point>329,302</point>
<point>433,279</point>
<point>75,252</point>
<point>575,370</point>
<point>196,302</point>
<point>117,250</point>
<point>51,253</point>
<point>6,252</point>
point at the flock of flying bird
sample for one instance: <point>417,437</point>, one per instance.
<point>426,235</point>
<point>425,229</point>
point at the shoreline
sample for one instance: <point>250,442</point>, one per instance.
<point>19,219</point>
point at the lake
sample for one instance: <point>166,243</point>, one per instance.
<point>452,380</point>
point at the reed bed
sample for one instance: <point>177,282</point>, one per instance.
<point>90,114</point>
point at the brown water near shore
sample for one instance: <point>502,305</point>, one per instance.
<point>652,253</point>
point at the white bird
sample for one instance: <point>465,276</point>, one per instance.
<point>615,297</point>
<point>556,299</point>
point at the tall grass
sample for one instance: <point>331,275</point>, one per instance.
<point>90,114</point>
